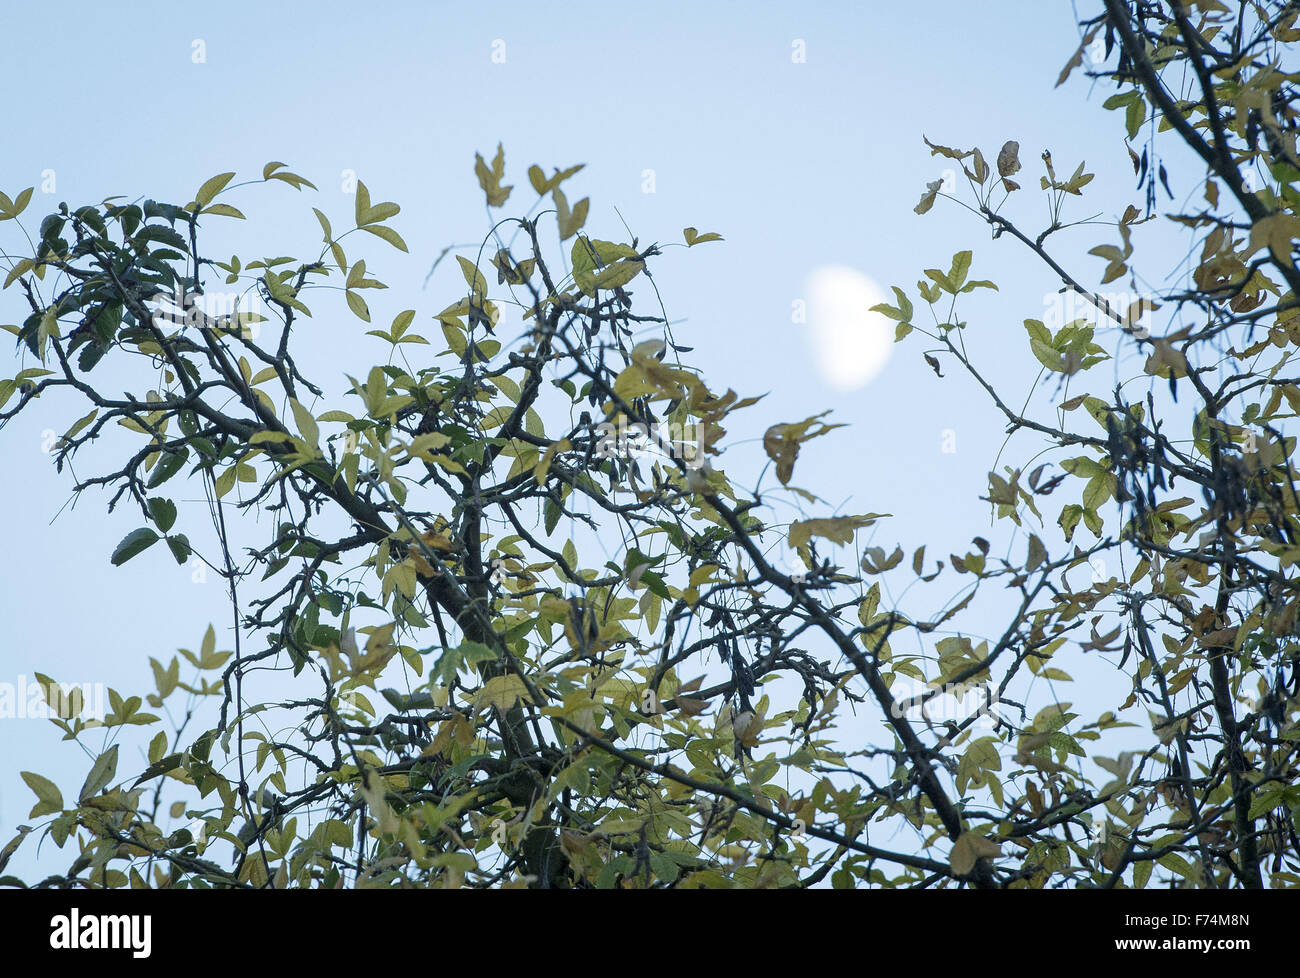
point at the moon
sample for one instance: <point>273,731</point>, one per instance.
<point>851,344</point>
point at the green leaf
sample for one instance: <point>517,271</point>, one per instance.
<point>135,542</point>
<point>292,179</point>
<point>960,266</point>
<point>693,237</point>
<point>224,210</point>
<point>307,426</point>
<point>603,264</point>
<point>1069,519</point>
<point>388,234</point>
<point>76,428</point>
<point>465,655</point>
<point>367,214</point>
<point>49,326</point>
<point>1123,98</point>
<point>10,209</point>
<point>324,224</point>
<point>1134,117</point>
<point>51,799</point>
<point>160,767</point>
<point>903,314</point>
<point>1176,863</point>
<point>101,773</point>
<point>473,277</point>
<point>180,547</point>
<point>401,323</point>
<point>211,188</point>
<point>1040,342</point>
<point>1265,802</point>
<point>551,515</point>
<point>358,305</point>
<point>163,512</point>
<point>166,467</point>
<point>1141,873</point>
<point>940,279</point>
<point>1096,492</point>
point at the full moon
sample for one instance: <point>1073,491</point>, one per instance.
<point>850,342</point>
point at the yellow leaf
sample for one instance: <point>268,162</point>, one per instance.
<point>490,179</point>
<point>307,426</point>
<point>366,214</point>
<point>224,210</point>
<point>543,465</point>
<point>693,237</point>
<point>501,692</point>
<point>839,529</point>
<point>1165,361</point>
<point>1276,233</point>
<point>358,305</point>
<point>473,277</point>
<point>968,849</point>
<point>927,199</point>
<point>51,800</point>
<point>1009,158</point>
<point>388,234</point>
<point>570,221</point>
<point>211,188</point>
<point>782,442</point>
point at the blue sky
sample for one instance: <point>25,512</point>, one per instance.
<point>798,164</point>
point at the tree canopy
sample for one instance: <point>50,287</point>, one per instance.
<point>501,617</point>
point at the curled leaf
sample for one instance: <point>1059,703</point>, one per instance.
<point>969,849</point>
<point>927,198</point>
